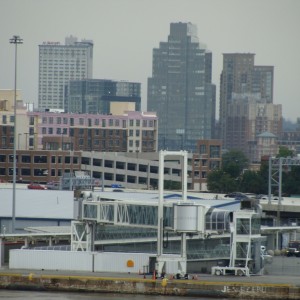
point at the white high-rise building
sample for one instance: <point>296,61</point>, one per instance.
<point>60,63</point>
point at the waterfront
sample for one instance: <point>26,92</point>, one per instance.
<point>29,295</point>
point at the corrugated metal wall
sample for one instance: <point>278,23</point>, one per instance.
<point>84,261</point>
<point>78,261</point>
<point>50,260</point>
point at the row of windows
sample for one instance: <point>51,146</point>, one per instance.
<point>34,172</point>
<point>62,51</point>
<point>90,122</point>
<point>39,159</point>
<point>11,119</point>
<point>214,151</point>
<point>7,130</point>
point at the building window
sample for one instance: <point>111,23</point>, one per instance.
<point>144,123</point>
<point>138,122</point>
<point>103,123</point>
<point>130,132</point>
<point>96,122</point>
<point>111,122</point>
<point>215,152</point>
<point>81,121</point>
<point>137,133</point>
<point>40,159</point>
<point>50,130</point>
<point>58,130</point>
<point>124,123</point>
<point>31,131</point>
<point>44,120</point>
<point>117,122</point>
<point>31,121</point>
<point>26,159</point>
<point>25,172</point>
<point>131,122</point>
<point>58,120</point>
<point>4,119</point>
<point>44,130</point>
<point>50,120</point>
<point>65,120</point>
<point>12,119</point>
<point>202,149</point>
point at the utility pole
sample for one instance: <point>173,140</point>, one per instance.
<point>15,40</point>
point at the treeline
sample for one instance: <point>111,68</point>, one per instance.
<point>234,175</point>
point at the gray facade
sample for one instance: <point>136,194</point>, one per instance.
<point>58,64</point>
<point>180,89</point>
<point>94,96</point>
<point>241,76</point>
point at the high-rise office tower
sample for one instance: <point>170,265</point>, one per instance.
<point>240,75</point>
<point>58,64</point>
<point>180,89</point>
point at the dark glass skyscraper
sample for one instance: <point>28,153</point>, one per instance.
<point>180,89</point>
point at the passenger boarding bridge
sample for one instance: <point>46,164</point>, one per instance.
<point>184,218</point>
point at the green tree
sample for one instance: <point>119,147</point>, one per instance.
<point>252,182</point>
<point>172,185</point>
<point>264,175</point>
<point>285,152</point>
<point>234,162</point>
<point>221,182</point>
<point>291,181</point>
<point>214,181</point>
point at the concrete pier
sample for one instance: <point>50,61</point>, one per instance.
<point>254,287</point>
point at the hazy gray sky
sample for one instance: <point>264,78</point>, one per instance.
<point>126,31</point>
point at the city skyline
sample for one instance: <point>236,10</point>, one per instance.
<point>125,35</point>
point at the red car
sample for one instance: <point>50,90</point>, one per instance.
<point>35,186</point>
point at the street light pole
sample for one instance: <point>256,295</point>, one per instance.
<point>15,40</point>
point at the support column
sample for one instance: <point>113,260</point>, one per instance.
<point>1,252</point>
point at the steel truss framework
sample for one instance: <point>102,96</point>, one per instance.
<point>275,174</point>
<point>128,221</point>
